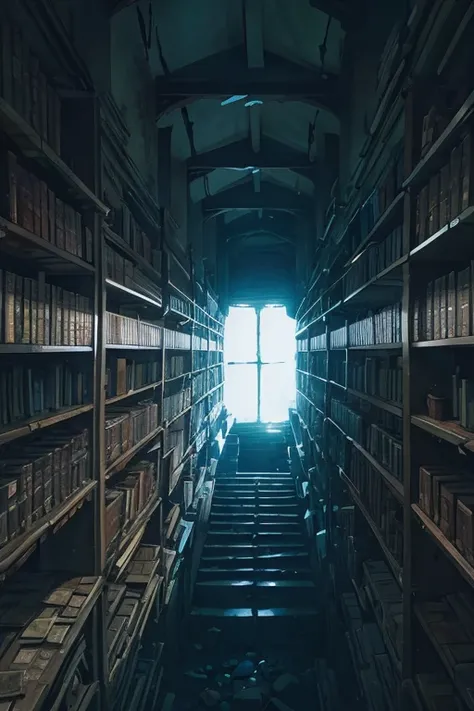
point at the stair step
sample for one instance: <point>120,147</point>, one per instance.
<point>255,593</point>
<point>263,498</point>
<point>286,559</point>
<point>257,490</point>
<point>264,538</point>
<point>254,573</point>
<point>260,507</point>
<point>253,517</point>
<point>260,549</point>
<point>257,484</point>
<point>293,612</point>
<point>256,526</point>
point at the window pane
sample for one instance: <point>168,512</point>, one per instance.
<point>241,392</point>
<point>277,335</point>
<point>277,391</point>
<point>241,334</point>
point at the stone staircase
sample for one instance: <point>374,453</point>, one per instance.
<point>254,576</point>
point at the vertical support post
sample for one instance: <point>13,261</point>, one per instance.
<point>259,367</point>
<point>407,657</point>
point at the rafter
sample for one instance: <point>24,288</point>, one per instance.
<point>270,197</point>
<point>272,154</point>
<point>222,76</point>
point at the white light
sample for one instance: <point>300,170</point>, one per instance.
<point>253,102</point>
<point>233,99</point>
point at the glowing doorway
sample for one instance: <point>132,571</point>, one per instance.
<point>259,349</point>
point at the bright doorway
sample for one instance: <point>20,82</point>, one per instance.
<point>259,347</point>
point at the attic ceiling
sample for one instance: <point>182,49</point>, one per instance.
<point>250,90</point>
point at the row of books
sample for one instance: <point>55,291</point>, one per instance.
<point>39,476</point>
<point>129,606</point>
<point>312,362</point>
<point>27,392</point>
<point>37,313</point>
<point>337,447</point>
<point>382,507</point>
<point>198,413</point>
<point>379,377</point>
<point>182,307</point>
<point>176,340</point>
<point>134,237</point>
<point>446,495</point>
<point>383,195</point>
<point>174,405</point>
<point>127,498</point>
<point>311,417</point>
<point>199,343</point>
<point>301,345</point>
<point>174,440</point>
<point>25,86</point>
<point>123,271</point>
<point>207,380</point>
<point>373,261</point>
<point>377,678</point>
<point>386,449</point>
<point>449,623</point>
<point>125,331</point>
<point>384,326</point>
<point>124,375</point>
<point>216,343</point>
<point>175,365</point>
<point>313,388</point>
<point>348,420</point>
<point>318,343</point>
<point>338,338</point>
<point>448,192</point>
<point>44,614</point>
<point>126,426</point>
<point>30,203</point>
<point>444,309</point>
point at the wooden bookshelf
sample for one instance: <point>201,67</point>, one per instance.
<point>108,249</point>
<point>400,166</point>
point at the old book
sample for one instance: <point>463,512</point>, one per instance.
<point>464,302</point>
<point>449,493</point>
<point>58,634</point>
<point>455,173</point>
<point>51,216</point>
<point>37,630</point>
<point>34,311</point>
<point>26,311</point>
<point>40,335</point>
<point>465,526</point>
<point>451,305</point>
<point>437,300</point>
<point>44,207</point>
<point>18,309</point>
<point>466,182</point>
<point>60,229</point>
<point>61,597</point>
<point>437,480</point>
<point>444,205</point>
<point>12,684</point>
<point>433,218</point>
<point>429,312</point>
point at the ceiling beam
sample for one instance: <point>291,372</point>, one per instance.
<point>341,10</point>
<point>253,26</point>
<point>221,76</point>
<point>272,154</point>
<point>281,222</point>
<point>270,197</point>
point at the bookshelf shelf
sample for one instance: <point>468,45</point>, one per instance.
<point>445,342</point>
<point>378,402</point>
<point>382,289</point>
<point>123,347</point>
<point>116,241</point>
<point>178,416</point>
<point>177,377</point>
<point>13,348</point>
<point>439,245</point>
<point>449,431</point>
<point>25,245</point>
<point>127,295</point>
<point>131,393</point>
<point>37,423</point>
<point>322,316</point>
<point>310,402</point>
<point>213,390</point>
<point>312,375</point>
<point>125,458</point>
<point>32,146</point>
<point>377,347</point>
<point>461,564</point>
<point>12,552</point>
<point>337,385</point>
<point>395,567</point>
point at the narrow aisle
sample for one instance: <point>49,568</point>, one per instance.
<point>255,627</point>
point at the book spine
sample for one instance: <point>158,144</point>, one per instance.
<point>34,311</point>
<point>41,299</point>
<point>18,309</point>
<point>27,311</point>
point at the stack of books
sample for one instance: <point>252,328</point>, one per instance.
<point>39,476</point>
<point>123,271</point>
<point>445,308</point>
<point>351,422</point>
<point>448,193</point>
<point>383,508</point>
<point>373,261</point>
<point>38,390</point>
<point>25,86</point>
<point>126,426</point>
<point>317,343</point>
<point>127,498</point>
<point>35,312</point>
<point>384,326</point>
<point>174,366</point>
<point>338,338</point>
<point>124,375</point>
<point>173,405</point>
<point>379,377</point>
<point>124,331</point>
<point>176,340</point>
<point>387,449</point>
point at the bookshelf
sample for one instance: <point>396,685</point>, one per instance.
<point>111,400</point>
<point>384,385</point>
